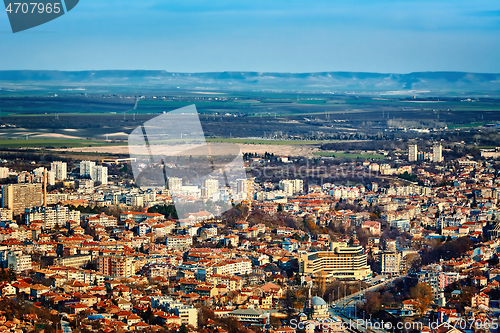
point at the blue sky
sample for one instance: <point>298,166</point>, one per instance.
<point>397,36</point>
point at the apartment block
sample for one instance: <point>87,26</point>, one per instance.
<point>115,266</point>
<point>19,197</point>
<point>51,216</point>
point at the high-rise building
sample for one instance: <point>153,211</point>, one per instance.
<point>437,153</point>
<point>291,187</point>
<point>209,187</point>
<point>412,153</point>
<point>100,174</point>
<point>175,184</point>
<point>116,266</point>
<point>341,262</point>
<point>18,197</point>
<point>60,169</point>
<point>4,172</point>
<point>86,168</point>
<point>241,185</point>
<point>390,258</point>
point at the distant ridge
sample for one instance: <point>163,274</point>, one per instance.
<point>323,81</point>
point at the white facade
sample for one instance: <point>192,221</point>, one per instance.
<point>4,172</point>
<point>52,216</point>
<point>291,187</point>
<point>86,168</point>
<point>100,174</point>
<point>60,170</point>
<point>179,242</point>
<point>18,261</point>
<point>437,153</point>
<point>412,153</point>
<point>209,187</point>
<point>175,184</point>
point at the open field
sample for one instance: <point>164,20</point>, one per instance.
<point>280,150</point>
<point>348,155</point>
<point>55,143</point>
<point>272,142</point>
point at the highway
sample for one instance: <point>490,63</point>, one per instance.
<point>345,309</point>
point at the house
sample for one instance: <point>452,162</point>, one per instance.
<point>373,227</point>
<point>480,299</point>
<point>479,281</point>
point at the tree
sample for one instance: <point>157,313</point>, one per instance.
<point>280,207</point>
<point>372,303</point>
<point>422,293</point>
<point>183,329</point>
<point>12,273</point>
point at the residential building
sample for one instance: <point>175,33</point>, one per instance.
<point>51,216</point>
<point>18,197</point>
<point>60,170</point>
<point>412,153</point>
<point>115,266</point>
<point>437,153</point>
<point>18,261</point>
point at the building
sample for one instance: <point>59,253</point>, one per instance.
<point>115,266</point>
<point>233,267</point>
<point>4,172</point>
<point>5,214</point>
<point>412,153</point>
<point>253,317</point>
<point>341,262</point>
<point>51,216</point>
<point>103,220</point>
<point>209,187</point>
<point>437,153</point>
<point>179,242</point>
<point>76,261</point>
<point>390,262</point>
<point>19,197</point>
<point>86,168</point>
<point>100,174</point>
<point>175,184</point>
<point>60,169</point>
<point>316,308</point>
<point>18,261</point>
<point>291,187</point>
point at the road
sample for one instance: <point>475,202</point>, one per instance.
<point>346,310</point>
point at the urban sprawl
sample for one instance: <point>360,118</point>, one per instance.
<point>407,243</point>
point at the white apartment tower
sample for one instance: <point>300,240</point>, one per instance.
<point>175,184</point>
<point>86,168</point>
<point>209,187</point>
<point>412,153</point>
<point>60,170</point>
<point>437,153</point>
<point>100,174</point>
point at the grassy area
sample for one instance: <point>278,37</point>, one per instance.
<point>468,125</point>
<point>56,143</point>
<point>348,155</point>
<point>312,101</point>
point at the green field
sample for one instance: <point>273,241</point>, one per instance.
<point>348,155</point>
<point>56,143</point>
<point>468,125</point>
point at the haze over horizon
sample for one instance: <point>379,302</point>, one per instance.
<point>282,36</point>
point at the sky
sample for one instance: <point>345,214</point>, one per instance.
<point>388,36</point>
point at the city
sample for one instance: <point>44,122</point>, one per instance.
<point>415,242</point>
